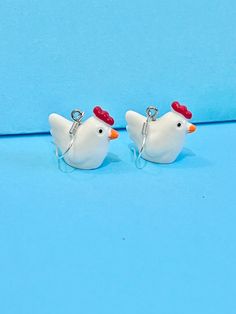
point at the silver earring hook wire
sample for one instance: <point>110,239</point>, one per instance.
<point>151,113</point>
<point>77,116</point>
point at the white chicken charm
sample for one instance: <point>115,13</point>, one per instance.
<point>165,135</point>
<point>83,145</point>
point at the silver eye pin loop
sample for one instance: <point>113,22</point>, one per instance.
<point>77,116</point>
<point>151,113</point>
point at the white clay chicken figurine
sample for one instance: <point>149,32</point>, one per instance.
<point>165,136</point>
<point>91,140</point>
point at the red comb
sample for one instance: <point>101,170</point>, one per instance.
<point>103,115</point>
<point>181,109</point>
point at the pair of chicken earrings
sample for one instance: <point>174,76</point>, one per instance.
<point>85,145</point>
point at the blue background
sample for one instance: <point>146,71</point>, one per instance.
<point>117,239</point>
<point>57,55</point>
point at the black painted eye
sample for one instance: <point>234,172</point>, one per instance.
<point>179,125</point>
<point>100,131</point>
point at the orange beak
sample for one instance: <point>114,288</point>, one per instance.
<point>192,128</point>
<point>113,135</point>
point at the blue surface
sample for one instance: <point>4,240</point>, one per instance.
<point>57,55</point>
<point>118,239</point>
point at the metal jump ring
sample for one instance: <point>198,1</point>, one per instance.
<point>152,112</point>
<point>77,115</point>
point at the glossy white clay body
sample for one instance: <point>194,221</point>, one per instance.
<point>165,138</point>
<point>91,141</point>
